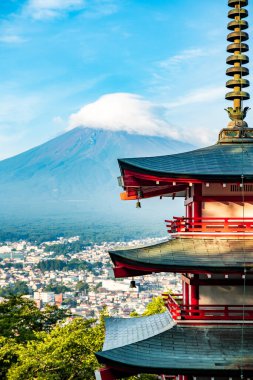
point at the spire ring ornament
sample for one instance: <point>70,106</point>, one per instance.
<point>237,60</point>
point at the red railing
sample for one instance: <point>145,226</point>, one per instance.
<point>179,311</point>
<point>225,225</point>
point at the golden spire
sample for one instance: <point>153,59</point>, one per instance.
<point>237,60</point>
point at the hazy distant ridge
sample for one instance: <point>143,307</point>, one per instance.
<point>78,165</point>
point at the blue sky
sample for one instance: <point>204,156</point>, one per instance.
<point>149,67</point>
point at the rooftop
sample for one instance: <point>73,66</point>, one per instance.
<point>217,162</point>
<point>139,344</point>
<point>193,255</point>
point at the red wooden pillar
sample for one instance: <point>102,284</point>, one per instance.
<point>105,374</point>
<point>197,205</point>
<point>185,293</point>
<point>195,291</point>
<point>109,373</point>
<point>189,211</point>
<point>194,295</point>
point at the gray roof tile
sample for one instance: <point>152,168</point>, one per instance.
<point>177,349</point>
<point>189,253</point>
<point>219,161</point>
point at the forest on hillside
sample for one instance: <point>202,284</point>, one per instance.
<point>52,344</point>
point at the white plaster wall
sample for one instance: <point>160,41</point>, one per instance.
<point>228,210</point>
<point>225,295</point>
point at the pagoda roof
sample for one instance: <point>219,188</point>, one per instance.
<point>193,255</point>
<point>216,162</point>
<point>139,345</point>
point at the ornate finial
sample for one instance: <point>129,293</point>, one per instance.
<point>237,46</point>
<point>237,115</point>
<point>237,129</point>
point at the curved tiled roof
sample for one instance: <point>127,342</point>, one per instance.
<point>185,350</point>
<point>214,162</point>
<point>186,254</point>
<point>121,332</point>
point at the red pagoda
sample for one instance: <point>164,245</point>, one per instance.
<point>207,332</point>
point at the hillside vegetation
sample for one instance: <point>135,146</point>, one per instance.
<point>51,344</point>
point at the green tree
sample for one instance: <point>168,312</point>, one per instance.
<point>52,315</point>
<point>156,306</point>
<point>21,322</point>
<point>82,286</point>
<point>134,314</point>
<point>16,289</point>
<point>20,319</point>
<point>67,352</point>
<point>34,346</point>
<point>57,288</point>
<point>69,302</point>
<point>8,355</point>
<point>96,288</point>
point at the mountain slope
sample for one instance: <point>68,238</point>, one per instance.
<point>80,165</point>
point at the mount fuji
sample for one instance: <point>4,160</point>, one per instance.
<point>75,174</point>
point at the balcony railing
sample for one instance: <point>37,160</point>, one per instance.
<point>179,311</point>
<point>209,225</point>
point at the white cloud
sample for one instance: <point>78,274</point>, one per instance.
<point>101,8</point>
<point>200,114</point>
<point>58,120</point>
<point>11,39</point>
<point>43,9</point>
<point>133,114</point>
<point>18,109</point>
<point>50,9</point>
<point>124,112</point>
<point>200,95</point>
<point>16,112</point>
<point>10,144</point>
<point>185,55</point>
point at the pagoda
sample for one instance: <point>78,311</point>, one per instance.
<point>207,331</point>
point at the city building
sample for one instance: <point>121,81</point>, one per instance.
<point>45,297</point>
<point>207,332</point>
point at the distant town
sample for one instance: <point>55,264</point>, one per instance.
<point>77,276</point>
